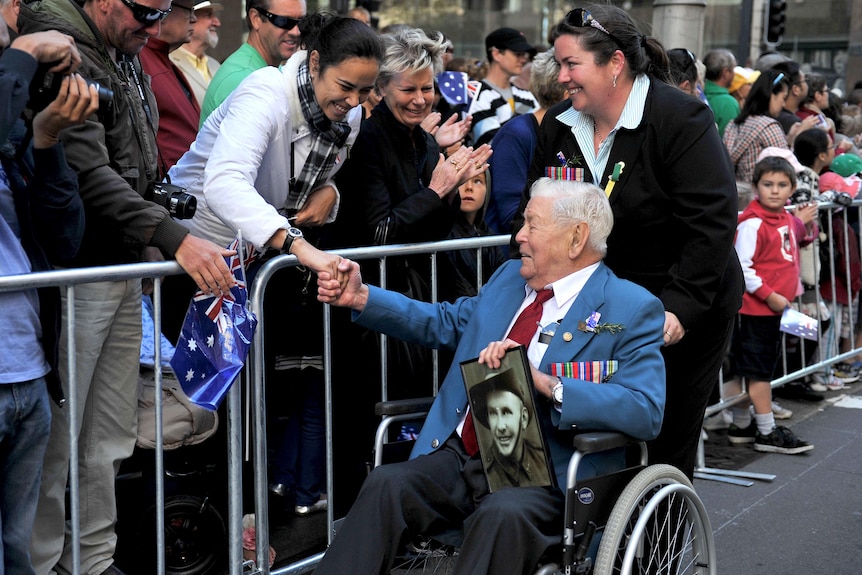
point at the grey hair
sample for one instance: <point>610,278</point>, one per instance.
<point>543,79</point>
<point>577,202</point>
<point>717,60</point>
<point>410,50</point>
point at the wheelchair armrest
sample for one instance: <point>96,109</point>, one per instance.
<point>402,406</point>
<point>595,441</point>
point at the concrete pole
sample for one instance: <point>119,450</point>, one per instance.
<point>854,61</point>
<point>679,24</point>
<point>756,46</point>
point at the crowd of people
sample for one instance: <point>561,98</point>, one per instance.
<point>671,198</point>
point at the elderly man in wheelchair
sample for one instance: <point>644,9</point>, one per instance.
<point>593,345</point>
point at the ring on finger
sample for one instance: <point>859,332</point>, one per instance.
<point>454,163</point>
<point>478,165</point>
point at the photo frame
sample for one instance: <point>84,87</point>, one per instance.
<point>510,438</point>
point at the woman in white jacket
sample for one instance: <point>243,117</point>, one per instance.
<point>249,167</point>
<point>263,163</point>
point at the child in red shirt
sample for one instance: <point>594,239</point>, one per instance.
<point>769,254</point>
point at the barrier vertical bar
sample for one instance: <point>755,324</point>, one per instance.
<point>72,405</point>
<point>234,451</point>
<point>160,435</point>
<point>327,401</point>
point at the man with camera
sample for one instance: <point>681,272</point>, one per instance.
<point>41,222</point>
<point>115,156</point>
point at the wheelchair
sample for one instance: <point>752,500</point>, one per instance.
<point>647,519</point>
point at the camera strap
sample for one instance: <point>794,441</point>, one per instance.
<point>132,72</point>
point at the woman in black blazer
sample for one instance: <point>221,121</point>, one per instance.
<point>657,153</point>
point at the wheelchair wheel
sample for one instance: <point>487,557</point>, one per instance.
<point>425,555</point>
<point>658,525</point>
<point>195,537</point>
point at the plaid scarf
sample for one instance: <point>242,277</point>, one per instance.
<point>327,138</point>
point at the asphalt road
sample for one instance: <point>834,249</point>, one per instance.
<point>808,520</point>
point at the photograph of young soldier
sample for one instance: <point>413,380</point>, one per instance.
<point>511,447</point>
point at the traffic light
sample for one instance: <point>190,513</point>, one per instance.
<point>775,18</point>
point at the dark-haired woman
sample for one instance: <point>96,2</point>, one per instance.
<point>657,154</point>
<point>757,127</point>
<point>683,70</point>
<point>263,164</point>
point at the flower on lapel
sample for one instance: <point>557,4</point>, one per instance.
<point>592,325</point>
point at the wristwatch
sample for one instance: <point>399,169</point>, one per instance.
<point>293,234</point>
<point>557,392</point>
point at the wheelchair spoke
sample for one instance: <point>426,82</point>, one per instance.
<point>426,556</point>
<point>659,527</point>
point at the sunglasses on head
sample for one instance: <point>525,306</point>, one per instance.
<point>145,14</point>
<point>283,22</point>
<point>582,18</point>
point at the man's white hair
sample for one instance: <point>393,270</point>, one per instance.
<point>576,202</point>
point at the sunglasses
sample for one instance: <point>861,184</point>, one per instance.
<point>283,22</point>
<point>582,18</point>
<point>145,14</point>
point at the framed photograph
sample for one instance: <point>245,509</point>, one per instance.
<point>504,414</point>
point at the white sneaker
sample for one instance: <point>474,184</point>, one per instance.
<point>779,412</point>
<point>829,382</point>
<point>815,385</point>
<point>720,420</point>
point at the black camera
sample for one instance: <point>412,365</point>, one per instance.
<point>179,203</point>
<point>46,85</point>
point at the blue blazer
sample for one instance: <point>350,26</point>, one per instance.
<point>631,402</point>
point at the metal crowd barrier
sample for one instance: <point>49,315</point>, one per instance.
<point>68,279</point>
<point>824,362</point>
<point>256,375</point>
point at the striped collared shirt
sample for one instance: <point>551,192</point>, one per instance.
<point>583,127</point>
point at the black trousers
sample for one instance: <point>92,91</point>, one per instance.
<point>692,367</point>
<point>445,492</point>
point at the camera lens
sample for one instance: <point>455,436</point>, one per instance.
<point>183,206</point>
<point>106,96</point>
<point>179,203</point>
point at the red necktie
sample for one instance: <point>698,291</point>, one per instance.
<point>522,332</point>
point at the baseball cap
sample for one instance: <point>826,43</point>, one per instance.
<point>847,164</point>
<point>508,39</point>
<point>781,153</point>
<point>741,77</point>
<point>207,4</point>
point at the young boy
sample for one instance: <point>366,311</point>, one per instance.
<point>769,254</point>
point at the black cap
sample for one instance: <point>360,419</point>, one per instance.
<point>508,39</point>
<point>503,381</point>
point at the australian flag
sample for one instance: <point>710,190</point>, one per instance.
<point>798,324</point>
<point>453,87</point>
<point>215,339</point>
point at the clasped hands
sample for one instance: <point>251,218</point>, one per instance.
<point>465,164</point>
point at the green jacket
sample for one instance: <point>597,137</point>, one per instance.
<point>724,106</point>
